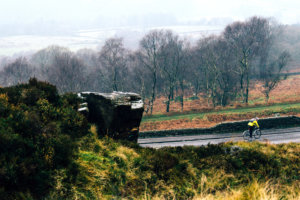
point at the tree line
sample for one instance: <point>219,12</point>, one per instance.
<point>221,68</point>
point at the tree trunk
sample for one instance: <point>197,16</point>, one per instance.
<point>168,105</point>
<point>196,88</point>
<point>247,88</point>
<point>153,91</point>
<point>172,94</point>
<point>182,95</point>
<point>171,89</point>
<point>115,88</point>
<point>142,91</point>
<point>267,96</point>
<point>242,86</point>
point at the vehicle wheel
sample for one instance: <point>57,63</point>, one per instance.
<point>246,135</point>
<point>257,134</point>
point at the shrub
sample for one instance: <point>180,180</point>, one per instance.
<point>38,136</point>
<point>114,170</point>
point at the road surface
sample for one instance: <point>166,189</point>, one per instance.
<point>275,136</point>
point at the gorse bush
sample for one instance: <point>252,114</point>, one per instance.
<point>39,131</point>
<point>123,170</point>
<point>29,93</point>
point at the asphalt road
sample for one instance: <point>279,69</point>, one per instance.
<point>275,136</point>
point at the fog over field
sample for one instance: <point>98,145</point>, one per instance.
<point>95,38</point>
<point>31,25</point>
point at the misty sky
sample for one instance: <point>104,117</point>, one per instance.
<point>29,25</point>
<point>30,11</point>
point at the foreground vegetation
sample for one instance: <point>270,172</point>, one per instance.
<point>39,131</point>
<point>49,151</point>
<point>119,170</point>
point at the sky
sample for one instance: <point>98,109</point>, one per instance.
<point>30,25</point>
<point>28,11</point>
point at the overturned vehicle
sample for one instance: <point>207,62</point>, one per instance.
<point>117,115</point>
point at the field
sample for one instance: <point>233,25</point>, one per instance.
<point>284,100</point>
<point>93,38</point>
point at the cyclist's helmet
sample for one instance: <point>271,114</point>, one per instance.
<point>256,118</point>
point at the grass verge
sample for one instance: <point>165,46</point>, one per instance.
<point>272,109</point>
<point>122,170</point>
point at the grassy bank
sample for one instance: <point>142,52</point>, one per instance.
<point>118,170</point>
<point>272,109</point>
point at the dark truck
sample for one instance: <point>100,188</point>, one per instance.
<point>117,115</point>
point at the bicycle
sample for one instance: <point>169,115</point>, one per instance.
<point>255,134</point>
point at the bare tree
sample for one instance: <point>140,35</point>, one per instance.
<point>248,40</point>
<point>150,46</point>
<point>96,80</point>
<point>89,57</point>
<point>207,64</point>
<point>273,74</point>
<point>19,71</point>
<point>113,58</point>
<point>4,60</point>
<point>194,72</point>
<point>186,65</point>
<point>272,61</point>
<point>171,61</point>
<point>67,72</point>
<point>44,58</point>
<point>139,79</point>
<point>227,78</point>
<point>216,66</point>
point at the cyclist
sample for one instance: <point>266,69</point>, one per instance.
<point>251,124</point>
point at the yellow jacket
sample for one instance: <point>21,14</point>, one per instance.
<point>253,123</point>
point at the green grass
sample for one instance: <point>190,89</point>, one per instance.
<point>257,100</point>
<point>277,108</point>
<point>123,170</point>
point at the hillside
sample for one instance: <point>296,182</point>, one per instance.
<point>118,170</point>
<point>198,114</point>
<point>48,150</point>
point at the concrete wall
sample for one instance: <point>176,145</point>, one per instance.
<point>228,127</point>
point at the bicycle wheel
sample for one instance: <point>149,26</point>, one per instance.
<point>246,135</point>
<point>257,134</point>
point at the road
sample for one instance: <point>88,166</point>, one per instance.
<point>275,136</point>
